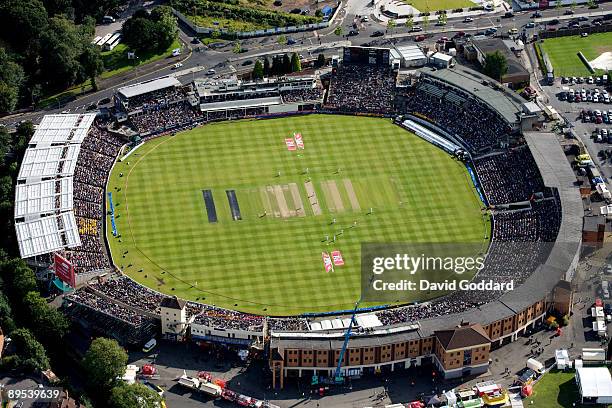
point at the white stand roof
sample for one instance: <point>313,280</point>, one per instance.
<point>44,217</point>
<point>48,234</point>
<point>595,382</point>
<point>43,197</point>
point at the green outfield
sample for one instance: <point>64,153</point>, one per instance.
<point>435,5</point>
<point>377,181</point>
<point>563,52</point>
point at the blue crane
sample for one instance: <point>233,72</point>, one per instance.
<point>337,376</point>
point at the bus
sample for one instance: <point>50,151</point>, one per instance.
<point>104,40</point>
<point>113,41</point>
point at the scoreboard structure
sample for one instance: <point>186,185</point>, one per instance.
<point>366,55</point>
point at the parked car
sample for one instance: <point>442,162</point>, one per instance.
<point>569,12</point>
<point>419,38</point>
<point>468,20</point>
<point>377,33</point>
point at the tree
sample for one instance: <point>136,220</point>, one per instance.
<point>591,4</point>
<point>296,64</point>
<point>442,19</point>
<point>54,7</point>
<point>140,34</point>
<point>6,315</point>
<point>282,40</point>
<point>321,60</point>
<point>61,47</point>
<point>103,363</point>
<point>166,27</point>
<point>237,48</point>
<point>425,22</point>
<point>573,5</point>
<point>496,65</point>
<point>133,395</point>
<point>22,22</point>
<point>266,66</point>
<point>11,78</point>
<point>286,67</point>
<point>338,31</point>
<point>48,324</point>
<point>258,70</point>
<point>558,6</point>
<point>410,22</point>
<point>391,24</point>
<point>92,63</point>
<point>31,354</point>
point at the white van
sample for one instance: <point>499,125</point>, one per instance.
<point>535,365</point>
<point>149,345</point>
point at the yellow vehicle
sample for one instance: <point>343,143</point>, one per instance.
<point>491,393</point>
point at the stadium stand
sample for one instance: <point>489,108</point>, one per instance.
<point>528,212</point>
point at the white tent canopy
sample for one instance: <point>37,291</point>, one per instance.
<point>595,384</point>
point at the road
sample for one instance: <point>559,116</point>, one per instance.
<point>220,58</point>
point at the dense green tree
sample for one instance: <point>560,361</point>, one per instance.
<point>94,8</point>
<point>22,22</point>
<point>154,31</point>
<point>133,395</point>
<point>495,65</point>
<point>286,67</point>
<point>48,324</point>
<point>296,64</point>
<point>61,47</point>
<point>64,7</point>
<point>258,70</point>
<point>139,34</point>
<point>266,66</point>
<point>5,146</point>
<point>31,355</point>
<point>7,324</point>
<point>103,363</point>
<point>17,276</point>
<point>165,26</point>
<point>92,64</point>
<point>321,60</point>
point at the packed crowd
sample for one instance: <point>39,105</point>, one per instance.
<point>161,118</point>
<point>302,95</point>
<point>362,88</point>
<point>154,99</point>
<point>95,160</point>
<point>105,306</point>
<point>498,174</point>
<point>131,293</point>
<point>521,241</point>
<point>102,317</point>
<point>479,126</point>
